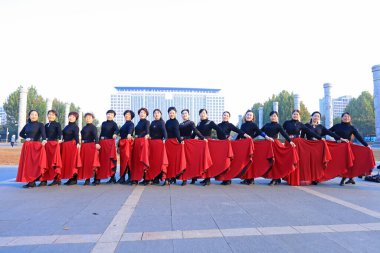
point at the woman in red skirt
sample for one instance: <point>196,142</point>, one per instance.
<point>53,151</point>
<point>70,149</point>
<point>32,162</point>
<point>125,145</point>
<point>89,150</point>
<point>140,155</point>
<point>107,154</point>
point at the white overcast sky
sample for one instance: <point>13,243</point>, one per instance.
<point>78,51</point>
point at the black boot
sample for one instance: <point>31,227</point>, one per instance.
<point>156,180</point>
<point>87,182</point>
<point>342,181</point>
<point>167,182</point>
<point>29,185</point>
<point>42,183</point>
<point>121,180</point>
<point>55,182</point>
<point>206,182</point>
<point>350,181</point>
<point>184,182</point>
<point>173,180</point>
<point>96,181</point>
<point>112,180</point>
<point>193,181</point>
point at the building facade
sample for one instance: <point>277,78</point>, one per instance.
<point>194,99</point>
<point>339,105</point>
<point>3,116</point>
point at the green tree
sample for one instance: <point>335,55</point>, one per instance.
<point>362,113</point>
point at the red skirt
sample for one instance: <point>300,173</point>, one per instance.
<point>364,162</point>
<point>90,160</point>
<point>262,160</point>
<point>198,159</point>
<point>32,162</point>
<point>54,161</point>
<point>107,158</point>
<point>125,150</point>
<point>342,159</point>
<point>221,155</point>
<point>158,160</point>
<point>313,159</point>
<point>176,158</point>
<point>71,161</point>
<point>285,161</point>
<point>140,158</point>
<point>243,152</point>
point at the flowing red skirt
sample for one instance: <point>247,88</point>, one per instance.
<point>158,160</point>
<point>54,161</point>
<point>125,150</point>
<point>364,162</point>
<point>90,160</point>
<point>176,158</point>
<point>262,160</point>
<point>342,159</point>
<point>32,162</point>
<point>243,152</point>
<point>198,159</point>
<point>71,161</point>
<point>221,155</point>
<point>285,161</point>
<point>313,159</point>
<point>140,158</point>
<point>107,158</point>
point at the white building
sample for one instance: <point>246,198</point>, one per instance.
<point>339,105</point>
<point>194,99</point>
<point>3,116</point>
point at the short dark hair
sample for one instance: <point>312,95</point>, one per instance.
<point>53,111</point>
<point>111,111</point>
<point>201,110</point>
<point>227,112</point>
<point>254,116</point>
<point>172,108</point>
<point>30,112</point>
<point>75,114</point>
<point>345,114</point>
<point>296,110</point>
<point>273,112</point>
<point>130,112</point>
<point>157,110</point>
<point>316,113</point>
<point>185,110</point>
<point>143,109</point>
<point>89,114</point>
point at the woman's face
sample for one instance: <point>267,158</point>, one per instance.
<point>316,118</point>
<point>128,116</point>
<point>185,115</point>
<point>72,118</point>
<point>89,119</point>
<point>346,118</point>
<point>51,117</point>
<point>226,116</point>
<point>142,114</point>
<point>203,115</point>
<point>274,118</point>
<point>249,116</point>
<point>157,115</point>
<point>33,116</point>
<point>172,114</point>
<point>110,116</point>
<point>296,116</point>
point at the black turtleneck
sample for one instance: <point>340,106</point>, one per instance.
<point>53,131</point>
<point>109,128</point>
<point>227,127</point>
<point>172,128</point>
<point>34,131</point>
<point>251,128</point>
<point>272,129</point>
<point>89,133</point>
<point>126,129</point>
<point>157,130</point>
<point>187,129</point>
<point>205,126</point>
<point>346,130</point>
<point>142,128</point>
<point>318,129</point>
<point>294,127</point>
<point>71,132</point>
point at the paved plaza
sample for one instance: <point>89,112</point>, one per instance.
<point>235,218</point>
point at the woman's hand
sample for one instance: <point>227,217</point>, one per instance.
<point>269,138</point>
<point>293,144</point>
<point>129,137</point>
<point>97,146</point>
<point>247,136</point>
<point>44,142</point>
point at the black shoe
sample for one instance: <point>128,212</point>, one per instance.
<point>134,182</point>
<point>87,182</point>
<point>68,181</point>
<point>42,183</point>
<point>143,182</point>
<point>55,182</point>
<point>193,181</point>
<point>167,182</point>
<point>121,180</point>
<point>314,182</point>
<point>203,181</point>
<point>148,182</point>
<point>206,182</point>
<point>342,181</point>
<point>273,182</point>
<point>184,182</point>
<point>128,181</point>
<point>96,181</point>
<point>350,181</point>
<point>112,180</point>
<point>244,181</point>
<point>156,181</point>
<point>29,185</point>
<point>226,182</point>
<point>173,180</point>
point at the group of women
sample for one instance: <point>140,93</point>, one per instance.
<point>170,151</point>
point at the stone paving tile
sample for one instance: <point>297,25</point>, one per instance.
<point>205,245</point>
<point>160,246</point>
<point>64,248</point>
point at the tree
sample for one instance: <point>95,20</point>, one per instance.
<point>362,113</point>
<point>285,108</point>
